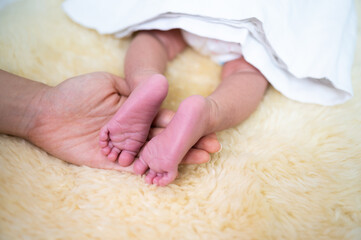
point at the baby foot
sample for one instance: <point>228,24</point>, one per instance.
<point>123,136</point>
<point>164,152</point>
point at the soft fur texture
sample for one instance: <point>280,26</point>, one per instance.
<point>291,171</point>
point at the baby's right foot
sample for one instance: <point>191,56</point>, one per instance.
<point>164,152</point>
<point>123,136</point>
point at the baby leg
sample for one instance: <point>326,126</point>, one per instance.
<point>123,136</point>
<point>238,95</point>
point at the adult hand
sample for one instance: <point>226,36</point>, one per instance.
<point>71,114</point>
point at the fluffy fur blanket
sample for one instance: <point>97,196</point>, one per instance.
<point>291,171</point>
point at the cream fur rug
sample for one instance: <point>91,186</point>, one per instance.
<point>291,171</point>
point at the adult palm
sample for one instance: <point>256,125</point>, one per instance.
<point>72,114</point>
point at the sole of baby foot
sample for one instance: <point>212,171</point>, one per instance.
<point>123,136</point>
<point>163,153</point>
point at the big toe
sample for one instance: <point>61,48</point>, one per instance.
<point>125,158</point>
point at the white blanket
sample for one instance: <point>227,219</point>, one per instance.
<point>304,48</point>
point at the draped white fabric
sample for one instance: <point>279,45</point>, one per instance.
<point>304,48</point>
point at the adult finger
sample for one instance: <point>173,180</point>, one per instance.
<point>154,131</point>
<point>209,143</point>
<point>163,118</point>
<point>196,156</point>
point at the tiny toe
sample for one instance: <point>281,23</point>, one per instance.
<point>125,158</point>
<point>167,179</point>
<point>103,144</point>
<point>150,176</point>
<point>113,155</point>
<point>157,178</point>
<point>106,151</point>
<point>104,134</point>
<point>140,167</point>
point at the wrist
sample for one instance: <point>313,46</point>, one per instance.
<point>35,112</point>
<point>20,106</point>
